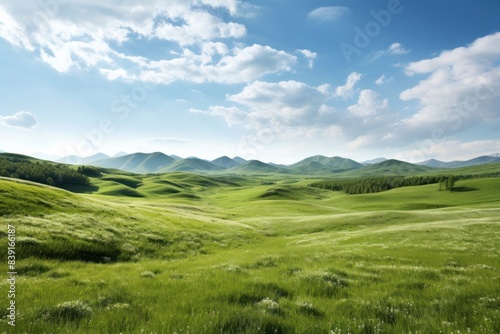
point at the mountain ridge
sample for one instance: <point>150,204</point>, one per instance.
<point>158,162</point>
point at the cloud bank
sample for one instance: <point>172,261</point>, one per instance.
<point>201,46</point>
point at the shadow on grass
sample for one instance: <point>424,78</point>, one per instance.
<point>464,189</point>
<point>80,188</point>
<point>73,250</point>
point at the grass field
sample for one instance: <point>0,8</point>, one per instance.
<point>184,253</point>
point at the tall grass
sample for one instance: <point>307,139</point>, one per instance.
<point>234,262</point>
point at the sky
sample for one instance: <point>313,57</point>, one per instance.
<point>274,80</point>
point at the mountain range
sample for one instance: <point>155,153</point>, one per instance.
<point>158,162</point>
<point>454,164</point>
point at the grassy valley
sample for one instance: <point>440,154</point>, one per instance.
<point>253,251</point>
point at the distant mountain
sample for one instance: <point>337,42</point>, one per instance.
<point>95,157</point>
<point>256,166</point>
<point>192,165</point>
<point>225,162</point>
<point>43,156</point>
<point>433,163</point>
<point>390,167</point>
<point>374,161</point>
<point>240,160</point>
<point>138,162</point>
<point>312,167</point>
<point>176,157</point>
<point>334,164</point>
<point>76,160</point>
<point>154,162</point>
<point>120,154</point>
<point>454,164</point>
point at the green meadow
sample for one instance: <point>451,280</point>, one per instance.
<point>186,253</point>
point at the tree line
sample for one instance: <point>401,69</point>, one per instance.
<point>378,184</point>
<point>374,184</point>
<point>41,172</point>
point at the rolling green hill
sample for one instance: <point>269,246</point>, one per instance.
<point>182,252</point>
<point>334,164</point>
<point>225,162</point>
<point>137,162</point>
<point>191,165</point>
<point>389,167</point>
<point>258,167</point>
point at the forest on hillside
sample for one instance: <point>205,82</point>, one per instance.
<point>41,172</point>
<point>377,184</point>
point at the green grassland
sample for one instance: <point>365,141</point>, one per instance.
<point>186,253</point>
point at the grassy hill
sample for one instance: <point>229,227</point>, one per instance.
<point>251,254</point>
<point>191,165</point>
<point>333,164</point>
<point>258,167</point>
<point>225,162</point>
<point>137,162</point>
<point>389,167</point>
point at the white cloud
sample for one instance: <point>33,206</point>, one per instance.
<point>381,80</point>
<point>232,115</point>
<point>393,49</point>
<point>397,49</point>
<point>309,55</point>
<point>12,31</point>
<point>241,65</point>
<point>347,90</point>
<point>325,14</point>
<point>291,109</point>
<point>117,74</point>
<point>198,26</point>
<point>360,141</point>
<point>289,103</point>
<point>281,106</point>
<point>201,45</point>
<point>20,120</point>
<point>368,104</point>
<point>461,89</point>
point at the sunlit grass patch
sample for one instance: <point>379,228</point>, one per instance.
<point>71,310</point>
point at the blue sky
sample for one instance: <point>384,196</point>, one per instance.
<point>272,80</point>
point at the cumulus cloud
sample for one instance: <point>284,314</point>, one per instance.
<point>289,103</point>
<point>397,49</point>
<point>382,80</point>
<point>202,46</point>
<point>393,49</point>
<point>240,66</point>
<point>310,56</point>
<point>368,104</point>
<point>20,120</point>
<point>292,109</point>
<point>232,115</point>
<point>347,90</point>
<point>461,88</point>
<point>281,106</point>
<point>325,14</point>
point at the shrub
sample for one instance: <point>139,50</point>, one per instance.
<point>72,310</point>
